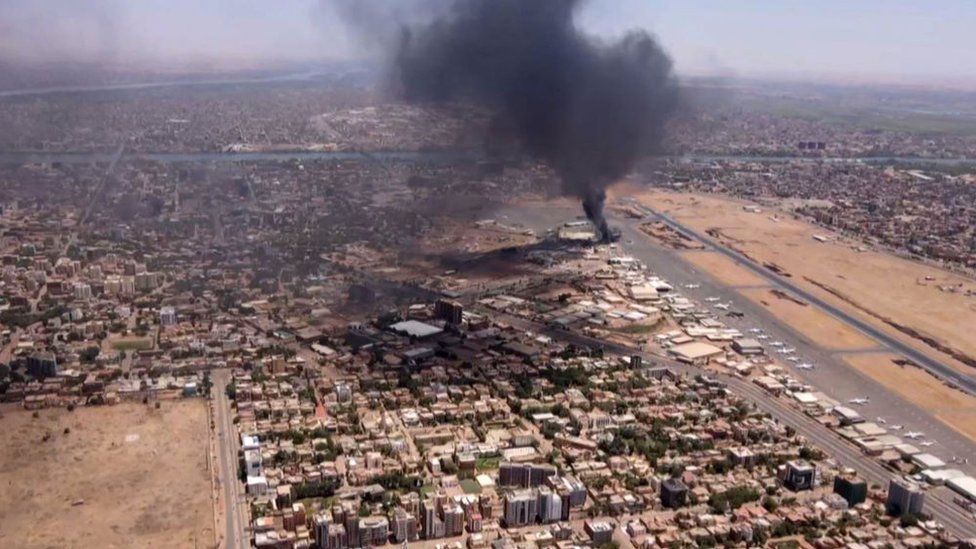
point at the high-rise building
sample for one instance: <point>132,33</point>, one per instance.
<point>167,317</point>
<point>550,505</point>
<point>405,528</point>
<point>433,525</point>
<point>449,311</point>
<point>573,491</point>
<point>320,525</point>
<point>673,493</point>
<point>374,531</point>
<point>351,522</point>
<point>520,508</point>
<point>83,291</point>
<point>799,475</point>
<point>42,365</point>
<point>904,498</point>
<point>852,489</point>
<point>453,520</point>
<point>474,521</point>
<point>337,537</point>
<point>526,475</point>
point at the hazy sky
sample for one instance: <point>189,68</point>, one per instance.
<point>911,40</point>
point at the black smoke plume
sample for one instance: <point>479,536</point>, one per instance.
<point>586,107</point>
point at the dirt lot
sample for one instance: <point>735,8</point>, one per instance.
<point>953,407</point>
<point>877,286</point>
<point>140,473</point>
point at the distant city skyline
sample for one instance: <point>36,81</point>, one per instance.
<point>895,40</point>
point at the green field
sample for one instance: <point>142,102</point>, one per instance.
<point>487,463</point>
<point>470,486</point>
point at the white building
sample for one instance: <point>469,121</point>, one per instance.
<point>167,317</point>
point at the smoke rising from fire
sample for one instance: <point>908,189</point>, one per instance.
<point>588,108</point>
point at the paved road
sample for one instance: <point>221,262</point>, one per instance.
<point>235,506</point>
<point>938,502</point>
<point>967,383</point>
<point>832,374</point>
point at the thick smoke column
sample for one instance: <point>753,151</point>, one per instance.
<point>588,108</point>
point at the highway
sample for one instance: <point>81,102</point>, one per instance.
<point>937,368</point>
<point>235,505</point>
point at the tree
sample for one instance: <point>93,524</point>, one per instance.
<point>206,384</point>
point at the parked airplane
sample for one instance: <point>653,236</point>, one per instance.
<point>777,344</point>
<point>897,427</point>
<point>793,359</point>
<point>692,286</point>
<point>926,443</point>
<point>712,299</point>
<point>723,306</point>
<point>805,366</point>
<point>762,336</point>
<point>755,330</point>
<point>914,435</point>
<point>860,401</point>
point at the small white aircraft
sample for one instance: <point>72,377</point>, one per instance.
<point>897,427</point>
<point>777,344</point>
<point>755,330</point>
<point>787,350</point>
<point>926,443</point>
<point>793,359</point>
<point>914,435</point>
<point>692,286</point>
<point>805,366</point>
<point>762,336</point>
<point>860,401</point>
<point>723,306</point>
<point>712,299</point>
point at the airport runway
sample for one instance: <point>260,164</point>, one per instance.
<point>831,375</point>
<point>938,502</point>
<point>943,371</point>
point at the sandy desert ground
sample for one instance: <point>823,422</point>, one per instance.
<point>723,268</point>
<point>877,286</point>
<point>952,407</point>
<point>874,285</point>
<point>114,476</point>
